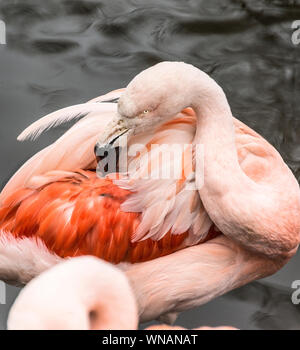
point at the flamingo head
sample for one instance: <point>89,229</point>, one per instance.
<point>152,97</point>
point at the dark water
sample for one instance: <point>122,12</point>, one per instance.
<point>63,52</point>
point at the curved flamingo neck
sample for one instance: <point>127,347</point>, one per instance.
<point>215,132</point>
<point>253,214</point>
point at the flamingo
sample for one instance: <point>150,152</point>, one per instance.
<point>179,245</point>
<point>93,294</point>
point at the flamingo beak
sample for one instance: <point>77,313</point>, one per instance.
<point>107,149</point>
<point>101,150</point>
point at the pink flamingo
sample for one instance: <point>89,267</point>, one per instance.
<point>246,215</point>
<point>93,294</point>
<point>82,293</point>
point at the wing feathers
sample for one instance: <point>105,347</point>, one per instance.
<point>59,117</point>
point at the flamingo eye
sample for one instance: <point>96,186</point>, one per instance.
<point>146,111</point>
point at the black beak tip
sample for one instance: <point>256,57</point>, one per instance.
<point>107,157</point>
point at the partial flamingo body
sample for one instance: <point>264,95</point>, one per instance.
<point>165,327</point>
<point>92,295</point>
<point>86,293</point>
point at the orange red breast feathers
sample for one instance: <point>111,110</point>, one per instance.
<point>80,214</point>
